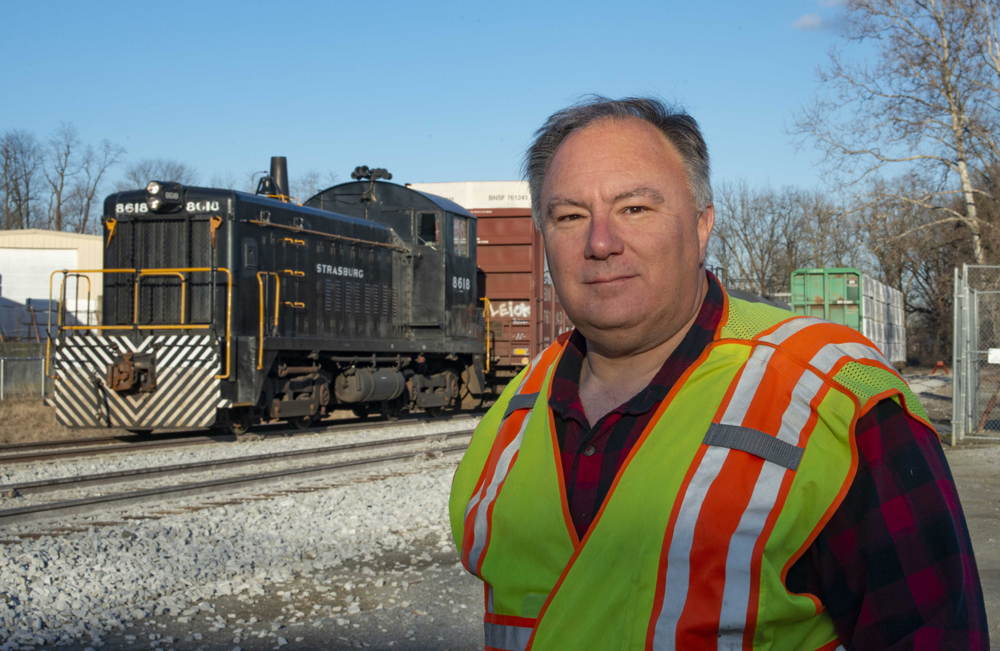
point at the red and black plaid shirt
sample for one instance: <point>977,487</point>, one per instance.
<point>894,565</point>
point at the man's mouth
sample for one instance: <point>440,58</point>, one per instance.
<point>608,280</point>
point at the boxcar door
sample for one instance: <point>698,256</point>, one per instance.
<point>428,270</point>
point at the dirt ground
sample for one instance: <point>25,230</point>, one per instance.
<point>29,420</point>
<point>26,421</point>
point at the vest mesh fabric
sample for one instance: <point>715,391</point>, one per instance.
<point>748,323</point>
<point>866,381</point>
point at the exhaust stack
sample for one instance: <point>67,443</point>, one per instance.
<point>279,172</point>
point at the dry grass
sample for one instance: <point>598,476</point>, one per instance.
<point>29,420</point>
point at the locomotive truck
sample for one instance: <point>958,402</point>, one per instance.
<point>223,308</point>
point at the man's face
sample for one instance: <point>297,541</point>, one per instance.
<point>623,239</point>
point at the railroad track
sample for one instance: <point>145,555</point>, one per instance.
<point>212,487</point>
<point>124,476</point>
<point>107,445</point>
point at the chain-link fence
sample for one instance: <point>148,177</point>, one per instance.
<point>23,377</point>
<point>976,354</point>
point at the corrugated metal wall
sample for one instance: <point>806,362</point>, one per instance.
<point>89,255</point>
<point>90,248</point>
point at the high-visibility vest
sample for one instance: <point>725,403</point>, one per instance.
<point>738,471</point>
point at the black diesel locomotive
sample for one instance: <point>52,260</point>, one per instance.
<point>223,308</point>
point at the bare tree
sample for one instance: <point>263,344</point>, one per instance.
<point>920,105</point>
<point>310,183</point>
<point>62,165</point>
<point>141,172</point>
<point>750,235</point>
<point>226,181</point>
<point>94,166</point>
<point>826,235</point>
<point>20,162</point>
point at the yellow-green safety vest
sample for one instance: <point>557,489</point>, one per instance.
<point>739,469</point>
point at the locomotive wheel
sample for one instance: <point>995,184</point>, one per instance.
<point>236,421</point>
<point>302,422</point>
<point>361,411</point>
<point>241,426</point>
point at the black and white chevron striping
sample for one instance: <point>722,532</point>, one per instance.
<point>187,393</point>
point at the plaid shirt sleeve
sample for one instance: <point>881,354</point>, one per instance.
<point>894,565</point>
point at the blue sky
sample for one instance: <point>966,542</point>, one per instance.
<point>447,91</point>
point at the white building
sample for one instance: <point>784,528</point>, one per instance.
<point>27,259</point>
<point>480,195</point>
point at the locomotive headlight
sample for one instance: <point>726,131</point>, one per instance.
<point>162,196</point>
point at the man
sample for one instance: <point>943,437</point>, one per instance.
<point>691,471</point>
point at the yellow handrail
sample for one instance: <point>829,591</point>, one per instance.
<point>487,302</point>
<point>135,322</point>
<point>277,288</point>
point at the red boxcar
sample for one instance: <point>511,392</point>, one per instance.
<point>524,313</point>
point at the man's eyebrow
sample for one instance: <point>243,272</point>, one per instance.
<point>641,191</point>
<point>554,202</point>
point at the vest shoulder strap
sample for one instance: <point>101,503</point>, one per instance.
<point>841,354</point>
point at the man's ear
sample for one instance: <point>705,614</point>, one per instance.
<point>706,222</point>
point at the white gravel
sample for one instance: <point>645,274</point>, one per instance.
<point>37,471</point>
<point>82,585</point>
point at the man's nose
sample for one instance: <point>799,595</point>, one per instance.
<point>603,239</point>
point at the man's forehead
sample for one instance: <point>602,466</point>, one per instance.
<point>615,148</point>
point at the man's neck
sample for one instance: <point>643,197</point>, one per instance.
<point>609,380</point>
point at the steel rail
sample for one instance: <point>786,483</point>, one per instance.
<point>122,476</point>
<point>70,448</point>
<point>87,505</point>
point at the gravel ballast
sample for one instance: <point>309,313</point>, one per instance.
<point>95,583</point>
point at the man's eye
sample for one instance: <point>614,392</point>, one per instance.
<point>635,210</point>
<point>568,217</point>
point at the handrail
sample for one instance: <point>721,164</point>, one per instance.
<point>296,229</point>
<point>285,198</point>
<point>488,333</point>
<point>135,324</point>
<point>277,289</point>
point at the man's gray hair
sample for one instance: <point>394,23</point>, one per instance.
<point>679,128</point>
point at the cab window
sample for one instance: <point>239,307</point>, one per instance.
<point>460,236</point>
<point>428,233</point>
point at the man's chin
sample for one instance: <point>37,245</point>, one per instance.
<point>609,331</point>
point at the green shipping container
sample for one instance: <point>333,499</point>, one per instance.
<point>831,294</point>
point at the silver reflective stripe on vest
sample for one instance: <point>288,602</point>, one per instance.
<point>475,496</point>
<point>482,524</point>
<point>520,401</point>
<point>789,329</point>
<point>753,373</point>
<point>679,557</point>
<point>739,559</point>
<point>678,575</point>
<point>508,638</point>
<point>830,354</point>
<point>755,442</point>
